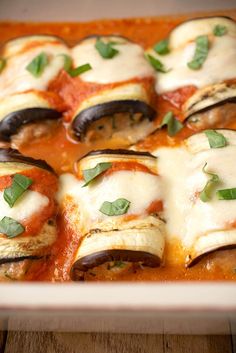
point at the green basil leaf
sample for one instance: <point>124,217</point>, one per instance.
<point>215,139</point>
<point>201,52</point>
<point>173,125</point>
<point>67,62</point>
<point>79,70</point>
<point>220,30</point>
<point>91,174</point>
<point>37,65</point>
<point>106,50</point>
<point>162,47</point>
<point>206,193</point>
<point>10,227</point>
<point>157,64</point>
<point>115,208</point>
<point>226,194</point>
<point>19,185</point>
<point>2,64</point>
<point>117,264</point>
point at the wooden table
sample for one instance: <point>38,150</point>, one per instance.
<point>50,342</point>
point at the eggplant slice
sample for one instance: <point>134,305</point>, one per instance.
<point>137,236</point>
<point>19,253</point>
<point>123,110</point>
<point>215,226</point>
<point>215,80</point>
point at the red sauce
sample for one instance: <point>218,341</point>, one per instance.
<point>60,151</point>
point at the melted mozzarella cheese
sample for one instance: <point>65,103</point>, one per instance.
<point>27,205</point>
<point>188,218</point>
<point>219,66</point>
<point>15,78</point>
<point>140,188</point>
<point>129,63</point>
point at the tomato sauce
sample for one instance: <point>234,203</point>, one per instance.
<point>61,151</point>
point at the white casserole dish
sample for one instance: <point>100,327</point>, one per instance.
<point>188,307</point>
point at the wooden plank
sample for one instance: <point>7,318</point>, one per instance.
<point>196,344</point>
<point>3,334</point>
<point>46,342</point>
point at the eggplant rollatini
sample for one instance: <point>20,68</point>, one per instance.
<point>210,223</point>
<point>114,205</point>
<point>28,209</point>
<point>30,64</point>
<point>198,71</point>
<point>116,92</point>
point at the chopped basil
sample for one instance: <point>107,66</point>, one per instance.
<point>91,174</point>
<point>79,70</point>
<point>37,65</point>
<point>67,62</point>
<point>10,227</point>
<point>117,264</point>
<point>201,52</point>
<point>157,64</point>
<point>162,47</point>
<point>76,71</point>
<point>215,139</point>
<point>226,194</point>
<point>2,64</point>
<point>206,193</point>
<point>19,185</point>
<point>173,125</point>
<point>115,208</point>
<point>106,50</point>
<point>220,30</point>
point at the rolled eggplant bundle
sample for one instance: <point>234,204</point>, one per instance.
<point>211,193</point>
<point>114,205</point>
<point>30,64</point>
<point>116,93</point>
<point>27,212</point>
<point>198,69</point>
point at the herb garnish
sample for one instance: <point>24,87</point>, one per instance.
<point>10,227</point>
<point>106,50</point>
<point>206,193</point>
<point>157,64</point>
<point>91,174</point>
<point>215,139</point>
<point>37,65</point>
<point>115,208</point>
<point>77,70</point>
<point>162,47</point>
<point>220,30</point>
<point>226,194</point>
<point>19,185</point>
<point>2,64</point>
<point>201,52</point>
<point>173,125</point>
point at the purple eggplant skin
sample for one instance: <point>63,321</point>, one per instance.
<point>197,259</point>
<point>19,258</point>
<point>98,258</point>
<point>118,152</point>
<point>14,121</point>
<point>87,116</point>
<point>11,155</point>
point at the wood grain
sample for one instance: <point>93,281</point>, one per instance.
<point>46,342</point>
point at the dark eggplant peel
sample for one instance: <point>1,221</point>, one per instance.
<point>116,196</point>
<point>198,58</point>
<point>122,107</point>
<point>31,63</point>
<point>28,210</point>
<point>210,221</point>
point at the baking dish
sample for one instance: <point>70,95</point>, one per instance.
<point>186,307</point>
